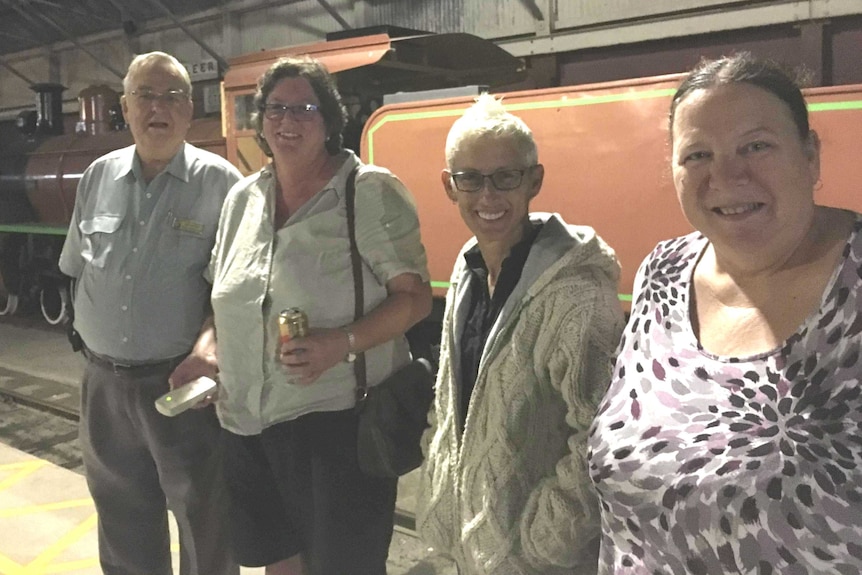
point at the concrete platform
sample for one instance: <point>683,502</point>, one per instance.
<point>47,520</point>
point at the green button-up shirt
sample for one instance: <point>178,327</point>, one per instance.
<point>257,271</point>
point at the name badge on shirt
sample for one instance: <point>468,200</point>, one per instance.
<point>188,226</point>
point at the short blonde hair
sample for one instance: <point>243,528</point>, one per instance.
<point>488,117</point>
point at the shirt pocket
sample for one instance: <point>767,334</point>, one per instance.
<point>99,237</point>
<point>319,242</point>
<point>186,241</point>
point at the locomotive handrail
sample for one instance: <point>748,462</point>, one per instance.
<point>34,228</point>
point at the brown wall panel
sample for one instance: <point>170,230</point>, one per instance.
<point>830,49</point>
<point>846,48</point>
<point>675,55</point>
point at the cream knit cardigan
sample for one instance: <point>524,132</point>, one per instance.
<point>512,495</point>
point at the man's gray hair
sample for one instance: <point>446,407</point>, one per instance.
<point>142,60</point>
<point>488,117</point>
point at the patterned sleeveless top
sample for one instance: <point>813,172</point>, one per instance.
<point>707,465</point>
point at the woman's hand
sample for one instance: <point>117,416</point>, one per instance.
<point>409,301</point>
<point>306,358</point>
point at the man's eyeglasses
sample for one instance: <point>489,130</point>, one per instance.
<point>169,98</point>
<point>299,112</point>
<point>504,180</point>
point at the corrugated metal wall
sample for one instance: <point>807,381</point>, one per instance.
<point>430,15</point>
<point>297,23</point>
<point>611,36</point>
<point>574,13</point>
<point>497,19</point>
<point>828,50</point>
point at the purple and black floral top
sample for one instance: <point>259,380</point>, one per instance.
<point>708,465</point>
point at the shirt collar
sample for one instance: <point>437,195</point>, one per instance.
<point>349,160</point>
<point>178,167</point>
<point>266,184</point>
<point>130,162</point>
<point>127,162</point>
<point>338,182</point>
<point>517,255</point>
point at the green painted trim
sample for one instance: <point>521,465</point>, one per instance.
<point>563,102</point>
<point>34,229</point>
<point>566,102</point>
<point>831,106</point>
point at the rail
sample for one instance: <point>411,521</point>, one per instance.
<point>34,228</point>
<point>63,400</point>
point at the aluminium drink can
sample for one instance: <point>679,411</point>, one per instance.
<point>292,323</point>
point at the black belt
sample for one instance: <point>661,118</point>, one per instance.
<point>133,369</point>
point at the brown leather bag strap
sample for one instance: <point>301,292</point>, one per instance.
<point>358,286</point>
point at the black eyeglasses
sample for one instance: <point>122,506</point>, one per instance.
<point>504,180</point>
<point>299,112</point>
<point>169,98</point>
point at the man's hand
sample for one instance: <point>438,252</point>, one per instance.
<point>191,368</point>
<point>202,361</point>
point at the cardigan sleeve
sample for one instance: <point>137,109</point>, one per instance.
<point>560,524</point>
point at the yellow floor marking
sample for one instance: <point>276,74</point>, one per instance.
<point>43,565</point>
<point>16,511</point>
<point>20,464</point>
<point>9,567</point>
<point>69,566</point>
<point>38,565</point>
<point>25,469</point>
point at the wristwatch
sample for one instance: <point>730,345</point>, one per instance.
<point>351,345</point>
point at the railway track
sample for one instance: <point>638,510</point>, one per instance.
<point>40,416</point>
<point>40,433</point>
<point>51,434</point>
<point>39,402</point>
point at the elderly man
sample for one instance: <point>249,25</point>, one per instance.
<point>141,234</point>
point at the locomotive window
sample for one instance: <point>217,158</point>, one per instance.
<point>249,156</point>
<point>243,107</point>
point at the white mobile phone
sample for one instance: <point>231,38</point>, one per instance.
<point>180,399</point>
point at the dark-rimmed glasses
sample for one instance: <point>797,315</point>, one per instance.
<point>299,112</point>
<point>169,98</point>
<point>503,180</point>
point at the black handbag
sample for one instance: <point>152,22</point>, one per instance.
<point>394,413</point>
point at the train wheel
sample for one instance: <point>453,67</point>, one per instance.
<point>54,301</point>
<point>10,306</point>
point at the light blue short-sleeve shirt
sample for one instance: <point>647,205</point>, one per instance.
<point>138,250</point>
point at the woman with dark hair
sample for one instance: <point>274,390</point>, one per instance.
<point>729,440</point>
<point>300,503</point>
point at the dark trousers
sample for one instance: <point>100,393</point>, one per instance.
<point>297,488</point>
<point>138,464</point>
